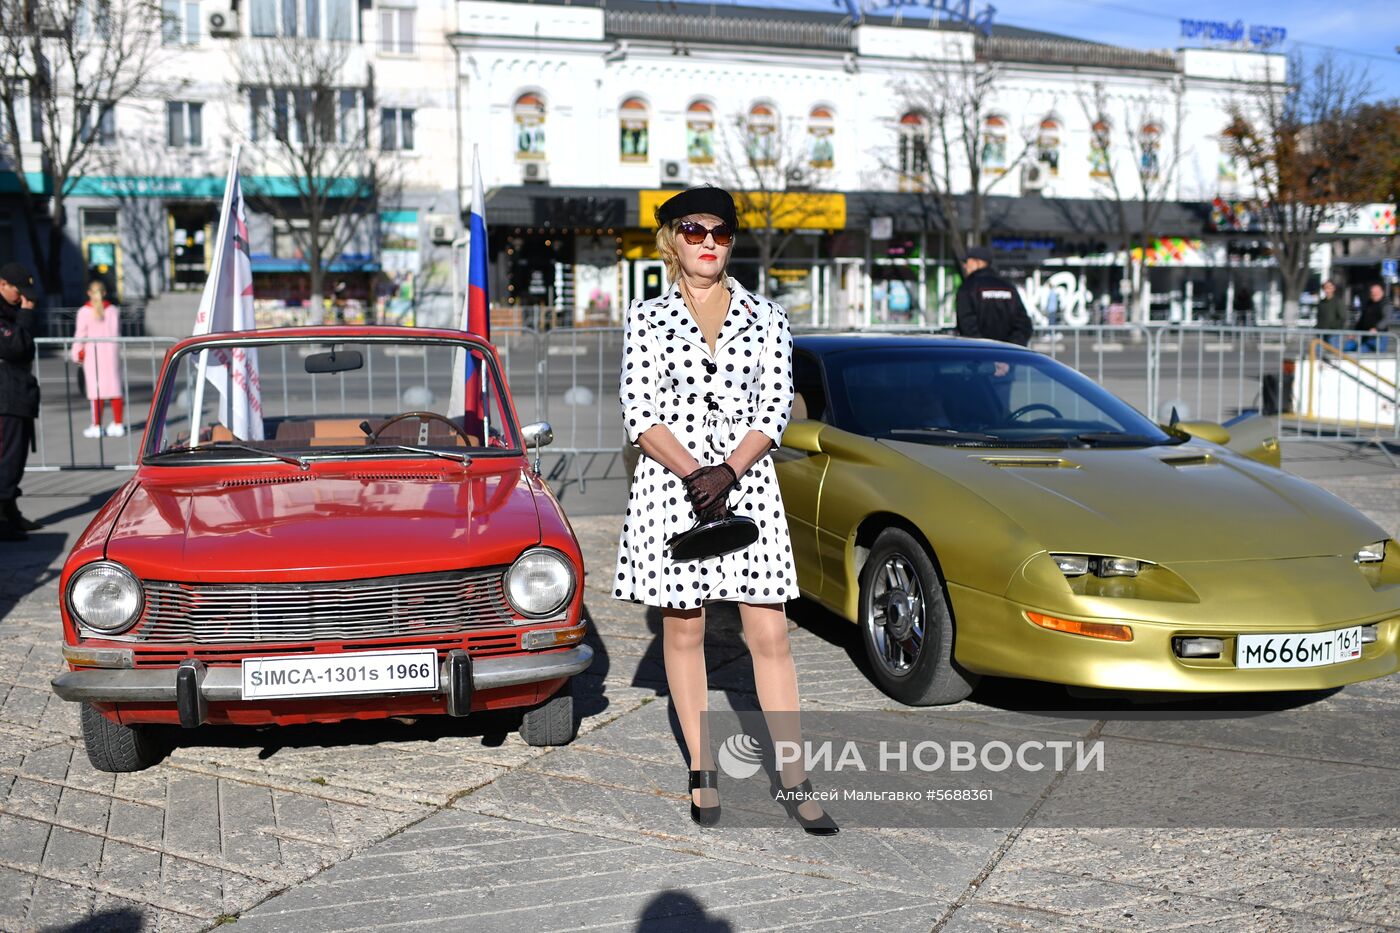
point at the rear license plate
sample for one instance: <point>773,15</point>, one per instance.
<point>1315,650</point>
<point>319,675</point>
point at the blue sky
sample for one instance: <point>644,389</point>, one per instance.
<point>1363,32</point>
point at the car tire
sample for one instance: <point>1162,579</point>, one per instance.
<point>552,722</point>
<point>903,606</point>
<point>115,748</point>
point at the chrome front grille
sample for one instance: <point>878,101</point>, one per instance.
<point>387,607</point>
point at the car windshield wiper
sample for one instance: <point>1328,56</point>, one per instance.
<point>956,438</point>
<point>1114,439</point>
<point>228,445</point>
<point>386,448</point>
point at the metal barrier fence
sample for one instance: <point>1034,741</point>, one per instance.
<point>1313,385</point>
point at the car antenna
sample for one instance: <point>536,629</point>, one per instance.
<point>1175,417</point>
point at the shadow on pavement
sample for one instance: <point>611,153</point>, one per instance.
<point>122,920</point>
<point>677,910</point>
<point>28,565</point>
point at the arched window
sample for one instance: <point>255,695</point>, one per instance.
<point>994,143</point>
<point>821,125</point>
<point>529,127</point>
<point>632,129</point>
<point>763,134</point>
<point>700,133</point>
<point>1047,145</point>
<point>913,146</point>
<point>1100,138</point>
<point>1149,145</point>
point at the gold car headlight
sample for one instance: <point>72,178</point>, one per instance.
<point>1371,553</point>
<point>105,597</point>
<point>1077,565</point>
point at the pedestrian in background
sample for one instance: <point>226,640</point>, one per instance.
<point>101,361</point>
<point>19,394</point>
<point>1375,317</point>
<point>988,305</point>
<point>1331,310</point>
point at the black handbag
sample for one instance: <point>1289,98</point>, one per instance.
<point>714,538</point>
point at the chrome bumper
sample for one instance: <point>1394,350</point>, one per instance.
<point>192,685</point>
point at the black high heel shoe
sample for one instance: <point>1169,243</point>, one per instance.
<point>823,825</point>
<point>705,816</point>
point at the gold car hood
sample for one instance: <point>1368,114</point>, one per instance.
<point>1189,502</point>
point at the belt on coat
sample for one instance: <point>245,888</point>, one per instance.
<point>723,413</point>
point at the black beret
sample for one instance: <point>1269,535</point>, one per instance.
<point>707,199</point>
<point>16,274</point>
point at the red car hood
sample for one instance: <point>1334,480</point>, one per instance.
<point>275,526</point>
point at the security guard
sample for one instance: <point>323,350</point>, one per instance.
<point>988,305</point>
<point>19,394</point>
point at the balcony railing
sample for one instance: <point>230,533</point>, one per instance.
<point>673,27</point>
<point>1058,52</point>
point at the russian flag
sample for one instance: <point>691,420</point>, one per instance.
<point>477,313</point>
<point>467,396</point>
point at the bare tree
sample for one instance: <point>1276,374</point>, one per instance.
<point>1137,176</point>
<point>1303,141</point>
<point>66,65</point>
<point>310,123</point>
<point>956,146</point>
<point>775,170</point>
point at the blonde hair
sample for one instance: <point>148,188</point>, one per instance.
<point>671,256</point>
<point>666,247</point>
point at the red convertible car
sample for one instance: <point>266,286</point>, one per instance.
<point>326,524</point>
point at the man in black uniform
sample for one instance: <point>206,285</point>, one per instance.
<point>19,394</point>
<point>988,305</point>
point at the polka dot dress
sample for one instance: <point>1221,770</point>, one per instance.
<point>709,403</point>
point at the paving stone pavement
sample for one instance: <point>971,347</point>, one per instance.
<point>445,824</point>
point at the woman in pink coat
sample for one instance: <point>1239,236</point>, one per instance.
<point>102,365</point>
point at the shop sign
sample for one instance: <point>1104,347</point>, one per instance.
<point>958,10</point>
<point>1259,37</point>
<point>789,210</point>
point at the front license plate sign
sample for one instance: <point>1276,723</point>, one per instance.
<point>321,675</point>
<point>1315,650</point>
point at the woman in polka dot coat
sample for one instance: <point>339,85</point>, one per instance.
<point>706,391</point>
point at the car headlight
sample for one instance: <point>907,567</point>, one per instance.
<point>1371,553</point>
<point>1077,565</point>
<point>105,597</point>
<point>540,582</point>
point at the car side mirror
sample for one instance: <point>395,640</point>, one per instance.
<point>804,436</point>
<point>537,434</point>
<point>1205,430</point>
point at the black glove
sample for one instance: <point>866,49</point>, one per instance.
<point>709,485</point>
<point>717,510</point>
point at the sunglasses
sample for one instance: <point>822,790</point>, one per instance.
<point>695,233</point>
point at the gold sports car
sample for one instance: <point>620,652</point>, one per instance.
<point>979,508</point>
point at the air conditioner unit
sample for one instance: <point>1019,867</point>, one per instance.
<point>675,172</point>
<point>1034,177</point>
<point>442,228</point>
<point>222,22</point>
<point>536,172</point>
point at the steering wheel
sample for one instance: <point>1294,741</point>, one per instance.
<point>1034,406</point>
<point>423,417</point>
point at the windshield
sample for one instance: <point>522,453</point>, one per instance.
<point>301,399</point>
<point>979,396</point>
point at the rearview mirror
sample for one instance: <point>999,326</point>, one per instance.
<point>334,362</point>
<point>803,436</point>
<point>538,434</point>
<point>1205,430</point>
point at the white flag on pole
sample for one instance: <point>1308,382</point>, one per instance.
<point>227,305</point>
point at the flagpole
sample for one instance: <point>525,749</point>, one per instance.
<point>205,317</point>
